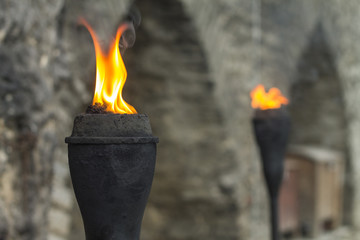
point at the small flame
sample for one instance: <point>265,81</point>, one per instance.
<point>272,99</point>
<point>110,74</point>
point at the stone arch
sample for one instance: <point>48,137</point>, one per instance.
<point>344,34</point>
<point>231,35</point>
<point>317,96</point>
<point>317,104</point>
<point>169,78</point>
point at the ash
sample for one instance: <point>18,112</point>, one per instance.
<point>97,108</point>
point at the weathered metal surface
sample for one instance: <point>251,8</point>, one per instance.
<point>112,176</point>
<point>272,129</point>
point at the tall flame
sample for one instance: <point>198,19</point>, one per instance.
<point>270,100</point>
<point>110,74</point>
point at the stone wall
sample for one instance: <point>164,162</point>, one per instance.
<point>317,94</point>
<point>230,32</point>
<point>31,82</point>
<point>191,70</point>
<point>195,193</point>
<point>41,90</point>
<point>342,27</point>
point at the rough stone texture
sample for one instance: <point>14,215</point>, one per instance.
<point>343,30</point>
<point>191,70</point>
<point>60,221</point>
<point>330,71</point>
<point>230,32</point>
<point>286,26</point>
<point>31,80</point>
<point>316,95</point>
<point>39,97</point>
<point>173,75</point>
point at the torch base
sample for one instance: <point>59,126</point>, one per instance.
<point>112,184</point>
<point>112,161</point>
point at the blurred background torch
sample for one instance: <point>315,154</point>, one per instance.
<point>271,128</point>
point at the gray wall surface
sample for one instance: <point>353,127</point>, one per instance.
<point>191,70</point>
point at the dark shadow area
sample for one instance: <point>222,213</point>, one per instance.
<point>317,106</point>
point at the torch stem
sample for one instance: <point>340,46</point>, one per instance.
<point>274,218</point>
<point>271,128</point>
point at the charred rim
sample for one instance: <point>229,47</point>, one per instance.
<point>112,162</point>
<point>271,128</point>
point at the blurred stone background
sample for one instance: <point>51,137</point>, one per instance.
<point>191,70</point>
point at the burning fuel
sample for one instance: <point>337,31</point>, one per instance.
<point>267,100</point>
<point>110,74</point>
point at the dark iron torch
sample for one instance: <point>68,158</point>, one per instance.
<point>112,161</point>
<point>271,129</point>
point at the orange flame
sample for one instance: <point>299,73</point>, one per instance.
<point>110,74</point>
<point>270,100</point>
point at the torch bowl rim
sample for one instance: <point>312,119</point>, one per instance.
<point>111,140</point>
